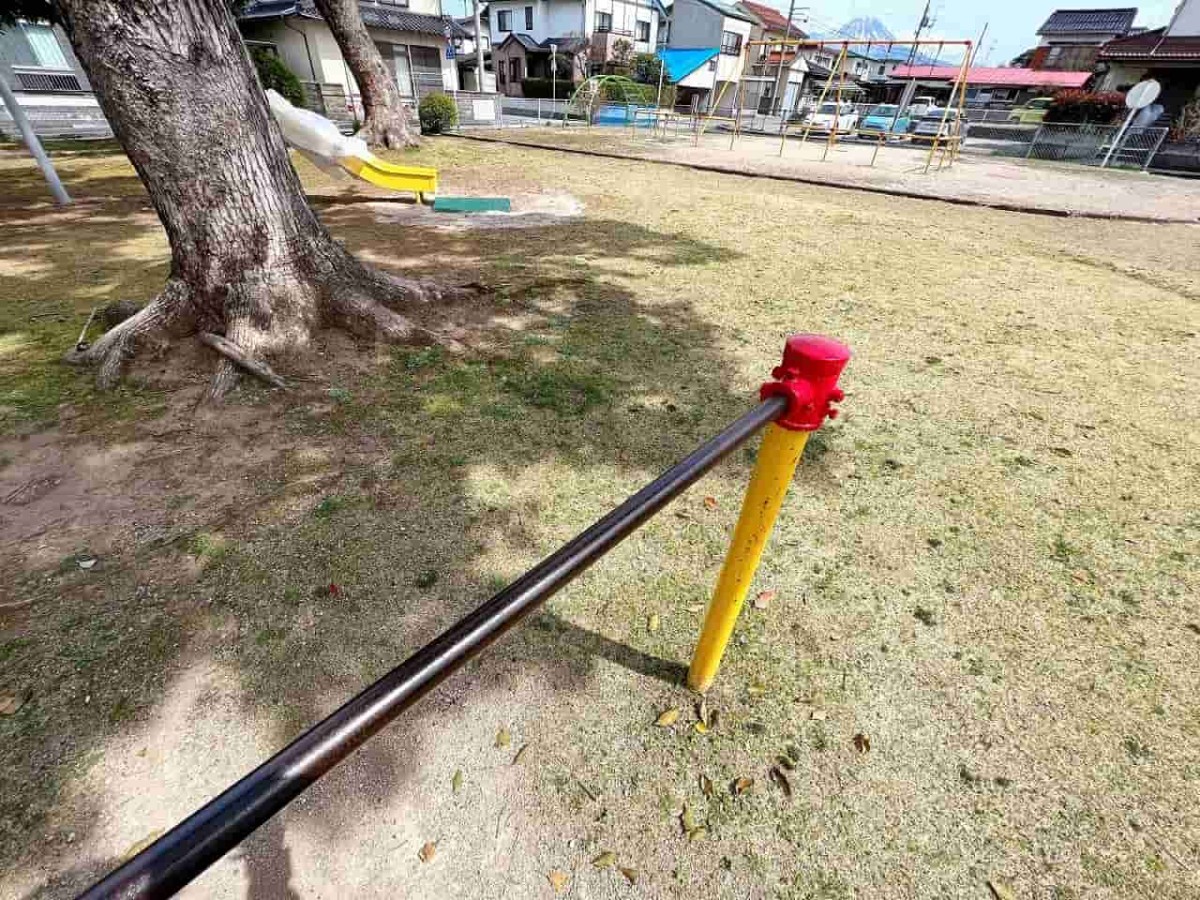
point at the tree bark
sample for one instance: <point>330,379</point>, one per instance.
<point>385,122</point>
<point>249,258</point>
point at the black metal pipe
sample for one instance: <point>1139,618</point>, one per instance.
<point>209,833</point>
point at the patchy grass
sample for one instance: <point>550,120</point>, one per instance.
<point>979,663</point>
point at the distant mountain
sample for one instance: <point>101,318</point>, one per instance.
<point>865,28</point>
<point>868,28</point>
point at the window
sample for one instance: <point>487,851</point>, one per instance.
<point>731,43</point>
<point>529,18</point>
<point>880,70</point>
<point>36,45</point>
<point>500,75</point>
<point>643,31</point>
<point>603,21</point>
<point>1052,55</point>
<point>504,20</point>
<point>514,69</point>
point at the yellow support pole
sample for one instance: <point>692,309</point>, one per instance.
<point>808,378</point>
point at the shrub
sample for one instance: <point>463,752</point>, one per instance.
<point>646,67</point>
<point>438,113</point>
<point>275,75</point>
<point>622,52</point>
<point>543,88</point>
<point>1187,126</point>
<point>1085,106</point>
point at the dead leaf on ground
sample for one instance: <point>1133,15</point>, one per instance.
<point>667,718</point>
<point>558,880</point>
<point>605,860</point>
<point>818,715</point>
<point>695,607</point>
<point>743,784</point>
<point>631,875</point>
<point>687,819</point>
<point>428,852</point>
<point>696,833</point>
<point>653,623</point>
<point>710,502</point>
<point>520,753</point>
<point>862,743</point>
<point>764,598</point>
<point>10,703</point>
<point>706,785</point>
<point>1002,890</point>
<point>700,727</point>
<point>139,846</point>
<point>781,779</point>
<point>702,710</point>
<point>503,738</point>
<point>457,781</point>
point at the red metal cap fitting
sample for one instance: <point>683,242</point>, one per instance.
<point>808,378</point>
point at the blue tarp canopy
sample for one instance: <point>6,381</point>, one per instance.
<point>682,62</point>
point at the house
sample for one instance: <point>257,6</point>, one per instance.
<point>413,37</point>
<point>1171,55</point>
<point>37,63</point>
<point>1070,39</point>
<point>1008,85</point>
<point>465,56</point>
<point>586,33</point>
<point>708,25</point>
<point>775,79</point>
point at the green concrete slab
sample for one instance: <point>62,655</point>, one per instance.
<point>472,204</point>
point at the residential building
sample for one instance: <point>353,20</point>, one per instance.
<point>37,63</point>
<point>413,37</point>
<point>776,76</point>
<point>585,32</point>
<point>1171,55</point>
<point>708,25</point>
<point>465,56</point>
<point>1007,86</point>
<point>1070,39</point>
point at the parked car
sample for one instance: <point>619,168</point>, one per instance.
<point>885,119</point>
<point>920,106</point>
<point>938,123</point>
<point>828,116</point>
<point>1032,113</point>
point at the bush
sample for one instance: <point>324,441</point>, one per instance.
<point>438,113</point>
<point>542,88</point>
<point>646,67</point>
<point>1101,108</point>
<point>275,75</point>
<point>1187,126</point>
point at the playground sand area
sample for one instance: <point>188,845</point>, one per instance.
<point>976,674</point>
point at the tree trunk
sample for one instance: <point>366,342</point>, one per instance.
<point>249,258</point>
<point>386,120</point>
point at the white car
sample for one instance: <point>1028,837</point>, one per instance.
<point>828,116</point>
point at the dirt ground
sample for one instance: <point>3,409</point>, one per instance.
<point>901,168</point>
<point>979,672</point>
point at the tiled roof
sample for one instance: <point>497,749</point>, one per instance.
<point>1150,45</point>
<point>768,16</point>
<point>373,15</point>
<point>1076,21</point>
<point>1003,77</point>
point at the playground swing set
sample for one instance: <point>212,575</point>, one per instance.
<point>947,141</point>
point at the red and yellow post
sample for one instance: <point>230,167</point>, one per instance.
<point>808,378</point>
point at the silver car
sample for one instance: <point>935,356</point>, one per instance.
<point>939,123</point>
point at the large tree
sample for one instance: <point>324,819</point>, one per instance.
<point>249,259</point>
<point>386,120</point>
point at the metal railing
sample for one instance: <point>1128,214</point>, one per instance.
<point>189,848</point>
<point>84,122</point>
<point>1093,144</point>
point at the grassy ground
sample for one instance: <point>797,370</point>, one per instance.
<point>987,568</point>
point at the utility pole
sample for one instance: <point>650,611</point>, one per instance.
<point>911,88</point>
<point>787,35</point>
<point>478,50</point>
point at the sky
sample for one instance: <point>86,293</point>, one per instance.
<point>1011,23</point>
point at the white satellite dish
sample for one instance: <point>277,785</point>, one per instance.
<point>1143,94</point>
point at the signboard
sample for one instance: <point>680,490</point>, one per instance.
<point>1143,94</point>
<point>449,52</point>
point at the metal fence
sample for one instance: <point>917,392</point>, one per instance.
<point>59,122</point>
<point>1096,144</point>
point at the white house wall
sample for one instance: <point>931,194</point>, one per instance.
<point>1187,20</point>
<point>563,18</point>
<point>729,66</point>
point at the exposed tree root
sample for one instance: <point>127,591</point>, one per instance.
<point>232,351</point>
<point>392,130</point>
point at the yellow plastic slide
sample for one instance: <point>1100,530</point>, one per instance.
<point>419,179</point>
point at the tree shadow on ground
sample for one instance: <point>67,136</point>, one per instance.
<point>417,482</point>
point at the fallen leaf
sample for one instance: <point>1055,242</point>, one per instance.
<point>605,860</point>
<point>687,819</point>
<point>818,715</point>
<point>653,622</point>
<point>710,502</point>
<point>520,753</point>
<point>862,743</point>
<point>706,785</point>
<point>667,718</point>
<point>428,852</point>
<point>503,738</point>
<point>742,785</point>
<point>558,880</point>
<point>763,600</point>
<point>702,710</point>
<point>781,779</point>
<point>1001,889</point>
<point>139,846</point>
<point>456,781</point>
<point>696,833</point>
<point>10,703</point>
<point>695,607</point>
<point>700,727</point>
<point>631,875</point>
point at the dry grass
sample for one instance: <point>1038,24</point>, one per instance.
<point>987,567</point>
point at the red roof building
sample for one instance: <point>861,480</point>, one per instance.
<point>985,76</point>
<point>772,19</point>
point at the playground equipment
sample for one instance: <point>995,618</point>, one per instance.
<point>796,401</point>
<point>330,150</point>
